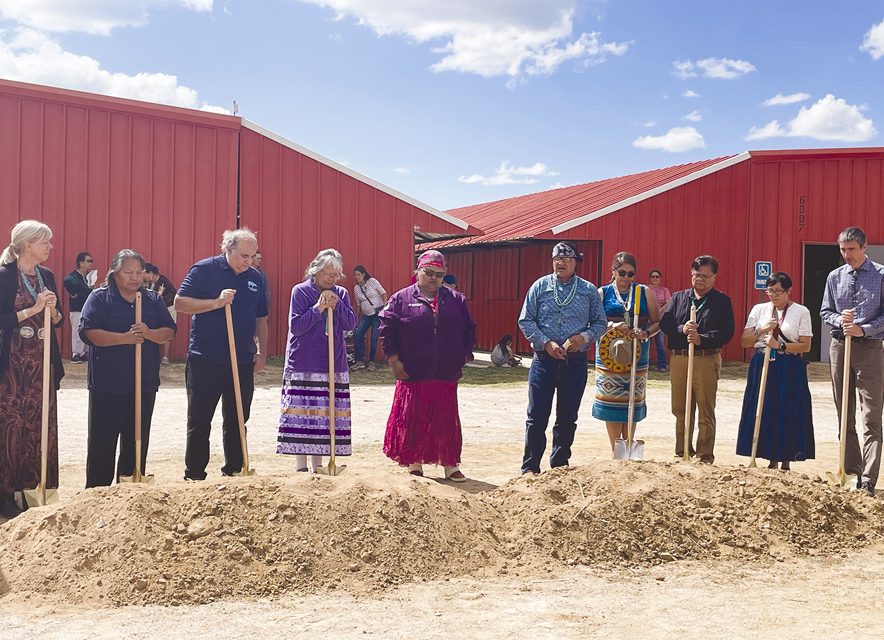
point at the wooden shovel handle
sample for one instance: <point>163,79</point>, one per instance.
<point>330,329</point>
<point>845,400</point>
<point>237,392</point>
<point>44,425</point>
<point>138,469</point>
<point>688,411</point>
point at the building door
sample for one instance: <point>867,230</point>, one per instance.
<point>819,260</point>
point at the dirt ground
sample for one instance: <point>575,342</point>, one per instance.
<point>603,549</point>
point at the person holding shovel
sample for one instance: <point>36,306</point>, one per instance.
<point>713,328</point>
<point>26,288</point>
<point>612,378</point>
<point>786,429</point>
<point>561,317</point>
<point>210,285</point>
<point>108,325</point>
<point>428,336</point>
<point>853,305</point>
<point>304,428</point>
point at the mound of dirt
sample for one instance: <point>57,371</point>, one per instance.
<point>247,538</point>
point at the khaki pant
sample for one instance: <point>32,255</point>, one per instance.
<point>707,370</point>
<point>866,378</point>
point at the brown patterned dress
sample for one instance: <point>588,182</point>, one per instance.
<point>21,405</point>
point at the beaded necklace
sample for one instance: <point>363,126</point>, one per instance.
<point>569,297</point>
<point>627,304</point>
<point>29,287</point>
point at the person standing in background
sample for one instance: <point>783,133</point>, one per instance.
<point>663,297</point>
<point>78,289</point>
<point>154,281</point>
<point>370,299</point>
<point>258,264</point>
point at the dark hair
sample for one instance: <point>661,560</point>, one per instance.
<point>623,258</point>
<point>151,268</point>
<point>361,269</point>
<point>82,256</point>
<point>653,271</point>
<point>449,278</point>
<point>779,277</point>
<point>853,234</point>
<point>117,264</point>
<point>505,341</point>
<point>705,261</point>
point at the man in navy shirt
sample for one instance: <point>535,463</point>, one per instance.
<point>211,284</point>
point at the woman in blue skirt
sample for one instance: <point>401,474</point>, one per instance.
<point>786,432</point>
<point>613,360</point>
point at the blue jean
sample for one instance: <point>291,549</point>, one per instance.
<point>567,380</point>
<point>359,337</point>
<point>661,350</point>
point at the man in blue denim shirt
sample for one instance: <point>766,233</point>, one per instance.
<point>852,305</point>
<point>561,317</point>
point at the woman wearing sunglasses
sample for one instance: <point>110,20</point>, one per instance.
<point>613,361</point>
<point>428,336</point>
<point>786,433</point>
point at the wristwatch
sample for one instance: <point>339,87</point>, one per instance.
<point>782,348</point>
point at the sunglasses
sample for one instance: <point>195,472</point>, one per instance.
<point>654,276</point>
<point>433,274</point>
<point>625,274</point>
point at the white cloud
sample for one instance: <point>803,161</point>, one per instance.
<point>829,118</point>
<point>675,140</point>
<point>402,171</point>
<point>506,173</point>
<point>694,116</point>
<point>690,93</point>
<point>649,124</point>
<point>719,68</point>
<point>30,56</point>
<point>874,41</point>
<point>780,99</point>
<point>515,39</point>
<point>90,16</point>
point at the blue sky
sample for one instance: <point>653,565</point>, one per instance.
<point>467,101</point>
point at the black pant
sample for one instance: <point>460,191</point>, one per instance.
<point>207,382</point>
<point>112,418</point>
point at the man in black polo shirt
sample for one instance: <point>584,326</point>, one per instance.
<point>713,329</point>
<point>78,290</point>
<point>227,279</point>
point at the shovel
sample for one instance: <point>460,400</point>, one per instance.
<point>138,476</point>
<point>41,496</point>
<point>760,406</point>
<point>688,410</point>
<point>630,449</point>
<point>237,393</point>
<point>331,469</point>
<point>842,478</point>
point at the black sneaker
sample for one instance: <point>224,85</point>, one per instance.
<point>868,487</point>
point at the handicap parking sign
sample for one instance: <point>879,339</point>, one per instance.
<point>763,269</point>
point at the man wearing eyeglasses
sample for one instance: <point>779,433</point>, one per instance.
<point>561,317</point>
<point>713,329</point>
<point>78,289</point>
<point>852,306</point>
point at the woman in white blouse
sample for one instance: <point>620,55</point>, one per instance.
<point>786,433</point>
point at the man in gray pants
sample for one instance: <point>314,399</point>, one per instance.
<point>852,306</point>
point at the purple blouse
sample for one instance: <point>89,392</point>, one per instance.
<point>307,345</point>
<point>431,346</point>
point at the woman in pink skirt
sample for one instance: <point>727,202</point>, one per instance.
<point>428,336</point>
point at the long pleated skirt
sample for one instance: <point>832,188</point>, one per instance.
<point>424,425</point>
<point>303,422</point>
<point>786,432</point>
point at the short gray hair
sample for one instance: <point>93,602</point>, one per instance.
<point>322,260</point>
<point>853,234</point>
<point>232,236</point>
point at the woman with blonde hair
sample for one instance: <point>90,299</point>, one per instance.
<point>26,289</point>
<point>304,423</point>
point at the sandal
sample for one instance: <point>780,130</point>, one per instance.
<point>416,469</point>
<point>454,474</point>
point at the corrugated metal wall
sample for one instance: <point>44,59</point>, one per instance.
<point>105,175</point>
<point>299,206</point>
<point>495,280</point>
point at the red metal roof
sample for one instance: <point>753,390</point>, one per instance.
<point>536,214</point>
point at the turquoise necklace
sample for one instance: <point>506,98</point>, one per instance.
<point>569,297</point>
<point>30,289</point>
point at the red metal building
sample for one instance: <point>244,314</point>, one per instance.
<point>783,206</point>
<point>107,173</point>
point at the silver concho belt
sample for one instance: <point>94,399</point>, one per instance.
<point>28,332</point>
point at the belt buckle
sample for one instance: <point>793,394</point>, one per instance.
<point>26,332</point>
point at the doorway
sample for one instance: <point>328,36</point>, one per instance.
<point>819,260</point>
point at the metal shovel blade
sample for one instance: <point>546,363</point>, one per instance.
<point>148,479</point>
<point>638,450</point>
<point>41,496</point>
<point>623,451</point>
<point>244,472</point>
<point>331,469</point>
<point>620,449</point>
<point>841,479</point>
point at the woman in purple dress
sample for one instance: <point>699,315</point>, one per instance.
<point>428,336</point>
<point>303,425</point>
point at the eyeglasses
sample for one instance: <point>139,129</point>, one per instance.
<point>652,277</point>
<point>702,276</point>
<point>775,292</point>
<point>433,274</point>
<point>562,259</point>
<point>625,274</point>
